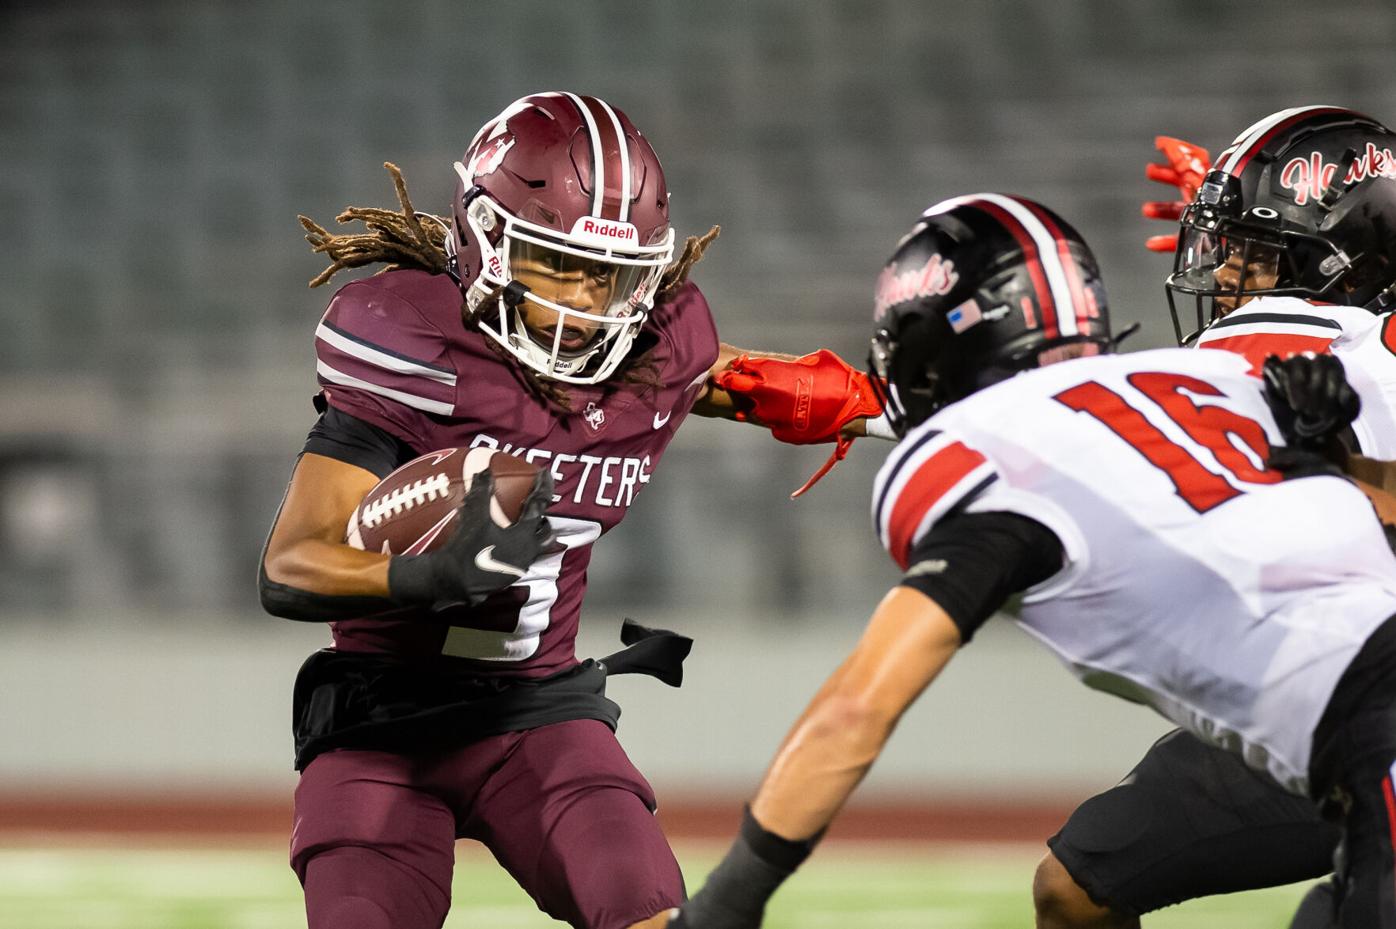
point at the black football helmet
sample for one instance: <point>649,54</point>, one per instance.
<point>1305,202</point>
<point>983,287</point>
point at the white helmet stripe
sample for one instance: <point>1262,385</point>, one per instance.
<point>598,180</point>
<point>624,160</point>
<point>1240,151</point>
<point>1047,252</point>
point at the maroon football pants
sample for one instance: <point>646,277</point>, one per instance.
<point>561,807</point>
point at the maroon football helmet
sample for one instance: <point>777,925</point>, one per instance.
<point>564,186</point>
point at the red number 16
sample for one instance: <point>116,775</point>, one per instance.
<point>1213,427</point>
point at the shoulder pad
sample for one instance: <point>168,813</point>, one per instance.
<point>927,476</point>
<point>685,322</point>
<point>380,337</point>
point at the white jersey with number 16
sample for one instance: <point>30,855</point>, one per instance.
<point>1196,581</point>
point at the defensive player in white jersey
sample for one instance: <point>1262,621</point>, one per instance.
<point>1100,487</point>
<point>1287,244</point>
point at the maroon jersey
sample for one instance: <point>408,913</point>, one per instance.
<point>392,350</point>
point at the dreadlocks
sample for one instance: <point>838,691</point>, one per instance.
<point>403,240</point>
<point>676,275</point>
<point>400,240</point>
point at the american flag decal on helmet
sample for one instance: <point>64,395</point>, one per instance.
<point>1057,285</point>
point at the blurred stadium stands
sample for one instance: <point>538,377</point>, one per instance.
<point>156,366</point>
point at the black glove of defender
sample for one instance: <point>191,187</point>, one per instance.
<point>480,557</point>
<point>1310,397</point>
<point>1313,403</point>
<point>736,892</point>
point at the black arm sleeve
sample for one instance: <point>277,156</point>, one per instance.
<point>349,439</point>
<point>346,438</point>
<point>970,563</point>
<point>309,607</point>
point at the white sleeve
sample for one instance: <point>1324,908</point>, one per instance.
<point>1370,364</point>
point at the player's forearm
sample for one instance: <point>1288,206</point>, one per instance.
<point>830,748</point>
<point>716,402</point>
<point>826,754</point>
<point>824,758</point>
<point>319,581</point>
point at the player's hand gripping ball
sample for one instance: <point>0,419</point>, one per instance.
<point>414,509</point>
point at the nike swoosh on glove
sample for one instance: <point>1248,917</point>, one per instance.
<point>481,556</point>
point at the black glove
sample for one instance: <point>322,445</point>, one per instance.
<point>480,557</point>
<point>1313,404</point>
<point>735,894</point>
<point>1310,397</point>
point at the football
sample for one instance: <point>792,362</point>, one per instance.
<point>412,510</point>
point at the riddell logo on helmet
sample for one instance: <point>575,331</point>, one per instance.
<point>638,297</point>
<point>606,230</point>
<point>935,278</point>
<point>1310,176</point>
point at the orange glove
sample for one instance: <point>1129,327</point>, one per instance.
<point>803,402</point>
<point>1187,166</point>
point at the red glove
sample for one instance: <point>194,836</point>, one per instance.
<point>1187,166</point>
<point>803,402</point>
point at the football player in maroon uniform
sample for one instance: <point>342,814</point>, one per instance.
<point>547,317</point>
<point>1292,248</point>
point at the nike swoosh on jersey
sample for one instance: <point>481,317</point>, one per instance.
<point>485,561</point>
<point>659,421</point>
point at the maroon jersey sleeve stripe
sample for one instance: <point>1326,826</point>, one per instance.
<point>373,320</point>
<point>383,349</point>
<point>336,367</point>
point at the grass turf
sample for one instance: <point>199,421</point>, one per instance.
<point>845,886</point>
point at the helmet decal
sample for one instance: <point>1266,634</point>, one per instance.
<point>935,278</point>
<point>985,286</point>
<point>1045,253</point>
<point>490,155</point>
<point>1310,176</point>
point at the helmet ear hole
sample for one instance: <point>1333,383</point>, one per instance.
<point>482,214</point>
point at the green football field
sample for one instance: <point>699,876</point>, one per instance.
<point>845,886</point>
